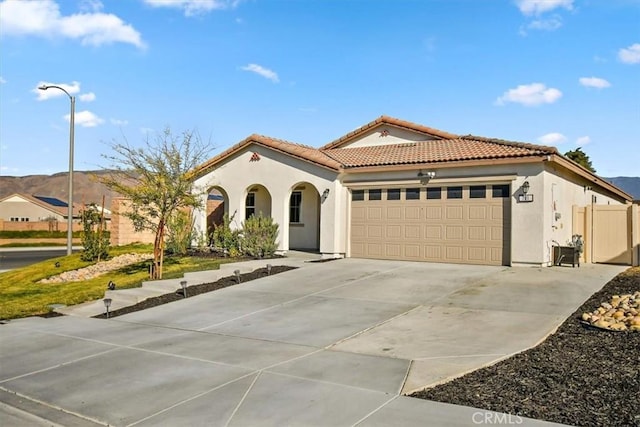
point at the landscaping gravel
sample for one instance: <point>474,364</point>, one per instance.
<point>580,375</point>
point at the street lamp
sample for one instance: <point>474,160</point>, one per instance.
<point>71,129</point>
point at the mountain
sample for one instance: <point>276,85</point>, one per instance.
<point>86,188</point>
<point>628,184</point>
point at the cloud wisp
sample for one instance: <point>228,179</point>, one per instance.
<point>85,118</point>
<point>530,95</point>
<point>630,55</point>
<point>594,82</point>
<point>552,138</point>
<point>262,71</point>
<point>194,7</point>
<point>537,7</point>
<point>44,19</point>
<point>582,141</point>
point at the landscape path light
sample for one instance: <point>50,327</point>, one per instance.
<point>237,273</point>
<point>107,304</point>
<point>71,136</point>
<point>183,283</point>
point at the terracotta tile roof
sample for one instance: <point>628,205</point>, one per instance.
<point>435,151</point>
<point>300,151</point>
<point>392,122</point>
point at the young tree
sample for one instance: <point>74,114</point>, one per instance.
<point>158,181</point>
<point>581,158</point>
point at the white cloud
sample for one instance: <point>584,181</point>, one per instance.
<point>85,119</point>
<point>194,7</point>
<point>72,88</point>
<point>43,18</point>
<point>550,24</point>
<point>118,122</point>
<point>583,140</point>
<point>264,72</point>
<point>88,97</point>
<point>2,80</point>
<point>552,138</point>
<point>530,95</point>
<point>596,82</point>
<point>537,7</point>
<point>630,55</point>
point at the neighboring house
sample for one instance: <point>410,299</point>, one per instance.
<point>26,208</point>
<point>397,190</point>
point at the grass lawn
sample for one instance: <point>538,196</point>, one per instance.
<point>22,296</point>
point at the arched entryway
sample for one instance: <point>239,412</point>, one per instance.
<point>304,217</point>
<point>257,201</point>
<point>217,207</point>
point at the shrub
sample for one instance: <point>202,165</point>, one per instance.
<point>224,239</point>
<point>180,232</point>
<point>259,234</point>
<point>95,239</point>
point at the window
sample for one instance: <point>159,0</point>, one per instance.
<point>500,191</point>
<point>375,194</point>
<point>477,192</point>
<point>393,194</point>
<point>250,205</point>
<point>357,195</point>
<point>454,192</point>
<point>434,193</point>
<point>412,194</point>
<point>295,205</point>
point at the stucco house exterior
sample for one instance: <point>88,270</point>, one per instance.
<point>393,189</point>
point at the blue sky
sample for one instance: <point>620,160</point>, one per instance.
<point>552,72</point>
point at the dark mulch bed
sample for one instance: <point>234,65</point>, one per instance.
<point>579,376</point>
<point>196,290</point>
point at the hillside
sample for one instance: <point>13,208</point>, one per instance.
<point>86,189</point>
<point>628,184</point>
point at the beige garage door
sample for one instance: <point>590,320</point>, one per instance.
<point>467,224</point>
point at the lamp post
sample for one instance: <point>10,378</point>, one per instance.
<point>71,131</point>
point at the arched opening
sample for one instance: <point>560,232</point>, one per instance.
<point>304,217</point>
<point>217,206</point>
<point>257,201</point>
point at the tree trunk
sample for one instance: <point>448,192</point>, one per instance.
<point>158,251</point>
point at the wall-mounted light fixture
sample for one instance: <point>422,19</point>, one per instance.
<point>325,193</point>
<point>525,196</point>
<point>425,177</point>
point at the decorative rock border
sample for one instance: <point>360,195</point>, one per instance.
<point>98,269</point>
<point>621,313</point>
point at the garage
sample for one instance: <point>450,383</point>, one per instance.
<point>459,223</point>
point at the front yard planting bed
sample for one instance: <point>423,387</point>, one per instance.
<point>196,290</point>
<point>580,375</point>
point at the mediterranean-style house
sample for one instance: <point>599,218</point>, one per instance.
<point>393,189</point>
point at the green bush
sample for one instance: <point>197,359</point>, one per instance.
<point>95,239</point>
<point>225,239</point>
<point>259,234</point>
<point>180,232</point>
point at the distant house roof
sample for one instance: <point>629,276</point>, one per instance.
<point>52,204</point>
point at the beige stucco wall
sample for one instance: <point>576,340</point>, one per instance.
<point>394,135</point>
<point>122,230</point>
<point>279,174</point>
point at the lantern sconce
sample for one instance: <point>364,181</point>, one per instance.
<point>525,197</point>
<point>425,177</point>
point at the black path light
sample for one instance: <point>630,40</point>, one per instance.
<point>107,304</point>
<point>269,266</point>
<point>183,283</point>
<point>111,286</point>
<point>237,273</point>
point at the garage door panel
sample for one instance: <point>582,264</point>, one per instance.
<point>412,212</point>
<point>455,212</point>
<point>394,231</point>
<point>473,231</point>
<point>412,231</point>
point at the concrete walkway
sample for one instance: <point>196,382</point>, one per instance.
<point>329,344</point>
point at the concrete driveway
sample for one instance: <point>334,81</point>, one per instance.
<point>329,344</point>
